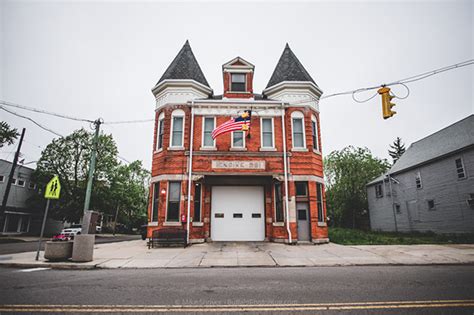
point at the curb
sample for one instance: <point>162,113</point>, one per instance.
<point>70,266</point>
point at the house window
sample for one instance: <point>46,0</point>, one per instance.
<point>2,178</point>
<point>460,169</point>
<point>297,123</point>
<point>319,197</point>
<point>378,191</point>
<point>238,82</point>
<point>156,200</point>
<point>314,127</point>
<point>238,139</point>
<point>279,217</point>
<point>160,131</point>
<point>177,126</point>
<point>21,182</point>
<point>418,183</point>
<point>13,181</point>
<point>197,203</point>
<point>397,208</point>
<point>208,127</point>
<point>32,185</point>
<point>267,132</point>
<point>174,195</point>
<point>301,189</point>
<point>431,205</point>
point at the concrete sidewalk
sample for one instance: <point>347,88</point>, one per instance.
<point>135,254</point>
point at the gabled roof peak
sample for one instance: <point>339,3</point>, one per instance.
<point>289,68</point>
<point>184,67</point>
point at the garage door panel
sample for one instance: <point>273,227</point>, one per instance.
<point>237,213</point>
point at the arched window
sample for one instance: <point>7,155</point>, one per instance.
<point>297,127</point>
<point>177,129</point>
<point>314,128</point>
<point>160,131</point>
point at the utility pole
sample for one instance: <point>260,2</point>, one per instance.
<point>12,172</point>
<point>87,201</point>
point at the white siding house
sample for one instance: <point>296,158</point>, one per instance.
<point>431,187</point>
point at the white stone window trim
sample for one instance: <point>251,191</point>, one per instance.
<point>272,147</point>
<point>243,147</point>
<point>161,120</point>
<point>204,147</point>
<point>298,115</point>
<point>177,113</point>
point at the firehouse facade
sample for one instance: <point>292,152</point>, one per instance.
<point>264,184</point>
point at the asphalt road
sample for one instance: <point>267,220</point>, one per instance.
<point>346,290</point>
<point>20,247</point>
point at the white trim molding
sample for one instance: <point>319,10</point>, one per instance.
<point>177,113</point>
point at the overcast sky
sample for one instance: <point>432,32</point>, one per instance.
<point>100,59</point>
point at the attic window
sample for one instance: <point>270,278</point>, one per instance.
<point>238,82</point>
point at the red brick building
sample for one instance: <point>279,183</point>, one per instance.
<point>267,185</point>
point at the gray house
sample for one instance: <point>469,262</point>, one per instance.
<point>431,187</point>
<point>19,218</point>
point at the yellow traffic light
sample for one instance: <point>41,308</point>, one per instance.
<point>386,105</point>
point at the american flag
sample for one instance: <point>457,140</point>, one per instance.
<point>234,124</point>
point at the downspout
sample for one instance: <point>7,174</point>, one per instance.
<point>190,169</point>
<point>286,173</point>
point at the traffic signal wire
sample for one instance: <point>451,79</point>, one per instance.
<point>402,82</point>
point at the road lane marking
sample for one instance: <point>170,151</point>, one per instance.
<point>33,269</point>
<point>237,308</point>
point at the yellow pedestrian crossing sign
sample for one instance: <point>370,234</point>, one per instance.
<point>53,188</point>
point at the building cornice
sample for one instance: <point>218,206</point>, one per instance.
<point>294,85</point>
<point>180,84</point>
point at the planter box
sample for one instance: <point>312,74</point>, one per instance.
<point>58,251</point>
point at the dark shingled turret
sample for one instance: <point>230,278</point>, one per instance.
<point>289,68</point>
<point>184,67</point>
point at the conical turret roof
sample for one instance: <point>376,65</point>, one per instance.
<point>184,67</point>
<point>289,68</point>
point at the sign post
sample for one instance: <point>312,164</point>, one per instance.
<point>52,192</point>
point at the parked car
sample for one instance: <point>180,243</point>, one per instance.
<point>60,237</point>
<point>72,231</point>
<point>143,231</point>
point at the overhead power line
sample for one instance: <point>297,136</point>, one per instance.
<point>43,111</point>
<point>30,119</point>
<point>128,121</point>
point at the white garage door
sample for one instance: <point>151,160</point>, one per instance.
<point>237,213</point>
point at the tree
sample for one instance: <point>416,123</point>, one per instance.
<point>129,193</point>
<point>398,148</point>
<point>8,135</point>
<point>69,158</point>
<point>347,172</point>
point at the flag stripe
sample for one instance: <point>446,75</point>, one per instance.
<point>229,126</point>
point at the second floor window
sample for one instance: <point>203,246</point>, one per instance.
<point>418,183</point>
<point>297,124</point>
<point>177,127</point>
<point>237,82</point>
<point>238,139</point>
<point>460,169</point>
<point>159,133</point>
<point>314,127</point>
<point>378,191</point>
<point>207,140</point>
<point>267,133</point>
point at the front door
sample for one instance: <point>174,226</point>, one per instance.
<point>302,216</point>
<point>237,213</point>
